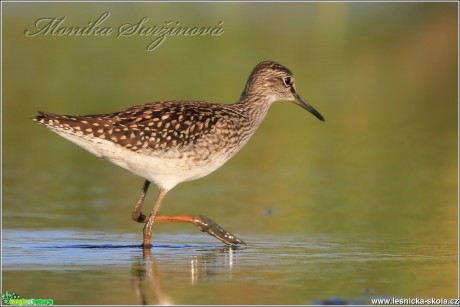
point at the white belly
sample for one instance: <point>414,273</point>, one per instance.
<point>165,169</point>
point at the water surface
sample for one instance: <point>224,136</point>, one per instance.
<point>101,268</point>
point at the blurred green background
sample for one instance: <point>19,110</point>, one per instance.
<point>384,75</point>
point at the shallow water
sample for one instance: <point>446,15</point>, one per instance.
<point>101,268</point>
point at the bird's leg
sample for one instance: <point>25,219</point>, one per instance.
<point>151,219</point>
<point>201,222</point>
<point>137,215</point>
<point>206,225</point>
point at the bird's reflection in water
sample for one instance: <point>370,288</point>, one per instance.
<point>149,271</point>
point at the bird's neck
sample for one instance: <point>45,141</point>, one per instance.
<point>255,107</point>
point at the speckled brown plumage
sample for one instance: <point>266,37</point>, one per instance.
<point>175,141</point>
<point>154,126</point>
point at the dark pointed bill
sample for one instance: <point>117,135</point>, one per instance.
<point>298,101</point>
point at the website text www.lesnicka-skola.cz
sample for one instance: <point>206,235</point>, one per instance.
<point>415,301</point>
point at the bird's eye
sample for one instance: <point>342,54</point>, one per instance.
<point>287,81</point>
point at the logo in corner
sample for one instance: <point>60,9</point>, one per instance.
<point>13,299</point>
<point>6,297</point>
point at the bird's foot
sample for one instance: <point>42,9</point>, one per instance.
<point>207,225</point>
